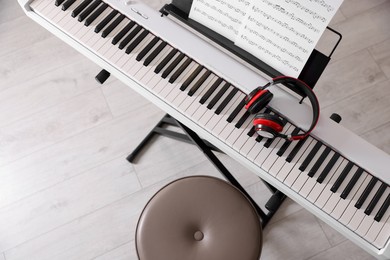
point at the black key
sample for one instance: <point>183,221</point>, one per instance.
<point>376,198</point>
<point>226,101</point>
<point>191,78</point>
<point>236,111</point>
<point>342,177</point>
<point>105,21</point>
<point>89,10</point>
<point>154,53</point>
<point>218,96</point>
<point>67,4</point>
<point>242,120</point>
<point>58,2</point>
<point>173,65</point>
<point>328,167</point>
<point>287,143</point>
<point>319,162</point>
<point>310,156</point>
<point>252,131</point>
<point>80,8</point>
<point>351,183</point>
<point>269,141</point>
<point>137,41</point>
<point>382,209</point>
<point>259,138</point>
<point>95,14</point>
<point>294,151</point>
<point>147,48</point>
<point>112,26</point>
<point>165,61</point>
<point>180,70</point>
<point>366,192</point>
<point>123,32</point>
<point>199,83</point>
<point>129,37</point>
<point>210,91</point>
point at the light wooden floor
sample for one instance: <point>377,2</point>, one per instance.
<point>66,191</point>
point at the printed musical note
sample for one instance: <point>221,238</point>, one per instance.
<point>286,28</point>
<point>281,33</point>
<point>222,16</point>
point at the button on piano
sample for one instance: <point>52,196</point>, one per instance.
<point>333,173</point>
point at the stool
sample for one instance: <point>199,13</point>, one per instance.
<point>199,218</point>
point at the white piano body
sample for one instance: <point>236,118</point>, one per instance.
<point>346,143</point>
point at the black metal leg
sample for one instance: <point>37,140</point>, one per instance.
<point>160,130</point>
<point>191,137</point>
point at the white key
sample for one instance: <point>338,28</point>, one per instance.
<point>162,83</point>
<point>214,118</point>
<point>242,131</point>
<point>179,81</point>
<point>105,43</point>
<point>294,173</point>
<point>249,144</point>
<point>335,197</point>
<point>342,204</point>
<point>223,123</point>
<point>359,214</point>
<point>282,170</point>
<point>312,181</point>
<point>272,157</point>
<point>327,193</point>
<point>376,227</point>
<point>182,96</point>
<point>256,149</point>
<point>203,89</point>
<point>320,187</point>
<point>243,137</point>
<point>130,67</point>
<point>383,235</point>
<point>147,72</point>
<point>266,151</point>
<point>368,220</point>
<point>189,99</point>
<point>350,210</point>
<point>303,175</point>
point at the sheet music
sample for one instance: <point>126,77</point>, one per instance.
<point>281,33</point>
<point>222,16</point>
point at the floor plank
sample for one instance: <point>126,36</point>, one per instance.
<point>72,156</point>
<point>13,28</point>
<point>25,64</point>
<point>53,125</point>
<point>343,79</point>
<point>363,30</point>
<point>47,90</point>
<point>381,54</point>
<point>358,112</point>
<point>66,202</point>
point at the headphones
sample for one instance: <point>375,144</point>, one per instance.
<point>270,125</point>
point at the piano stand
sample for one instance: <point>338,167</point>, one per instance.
<point>208,149</point>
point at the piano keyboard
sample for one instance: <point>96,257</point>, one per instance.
<point>310,171</point>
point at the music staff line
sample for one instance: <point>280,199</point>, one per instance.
<point>281,36</point>
<point>269,53</point>
<point>279,8</point>
<point>212,18</point>
<point>272,18</point>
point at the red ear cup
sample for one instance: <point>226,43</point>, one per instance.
<point>268,125</point>
<point>257,101</point>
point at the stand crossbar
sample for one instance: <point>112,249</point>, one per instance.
<point>207,148</point>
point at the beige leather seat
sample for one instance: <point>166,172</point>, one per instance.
<point>199,218</point>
